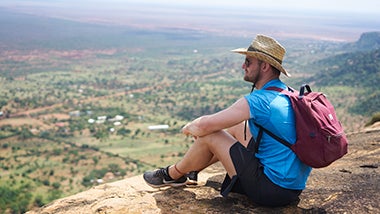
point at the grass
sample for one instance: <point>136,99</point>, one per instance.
<point>148,146</point>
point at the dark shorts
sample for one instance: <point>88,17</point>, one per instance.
<point>252,182</point>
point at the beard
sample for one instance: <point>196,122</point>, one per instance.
<point>254,77</point>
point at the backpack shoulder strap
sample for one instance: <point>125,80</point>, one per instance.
<point>284,142</point>
<point>274,88</point>
<point>305,88</point>
<point>253,145</point>
<point>289,92</point>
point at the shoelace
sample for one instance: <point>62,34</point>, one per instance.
<point>160,173</point>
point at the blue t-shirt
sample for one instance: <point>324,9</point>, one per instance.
<point>273,111</point>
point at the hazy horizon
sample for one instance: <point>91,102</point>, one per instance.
<point>338,20</point>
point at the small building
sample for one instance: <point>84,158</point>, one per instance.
<point>158,127</point>
<point>75,113</point>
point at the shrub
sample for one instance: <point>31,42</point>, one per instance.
<point>375,118</point>
<point>56,185</point>
<point>46,182</point>
<point>15,200</point>
<point>39,201</point>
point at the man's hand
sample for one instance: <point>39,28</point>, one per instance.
<point>221,120</point>
<point>185,130</point>
<point>191,128</point>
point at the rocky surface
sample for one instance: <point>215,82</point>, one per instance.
<point>349,185</point>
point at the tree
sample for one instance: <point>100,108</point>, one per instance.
<point>56,185</point>
<point>15,200</point>
<point>101,133</point>
<point>114,168</point>
<point>25,133</point>
<point>39,200</point>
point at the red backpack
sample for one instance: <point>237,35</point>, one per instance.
<point>320,136</point>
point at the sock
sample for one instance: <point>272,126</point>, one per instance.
<point>167,176</point>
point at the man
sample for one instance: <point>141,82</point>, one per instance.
<point>272,176</point>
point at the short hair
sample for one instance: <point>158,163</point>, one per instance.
<point>275,71</point>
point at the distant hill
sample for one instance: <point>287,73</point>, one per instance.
<point>359,70</point>
<point>367,41</point>
<point>356,69</point>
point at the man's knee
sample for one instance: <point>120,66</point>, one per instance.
<point>205,139</point>
<point>237,132</point>
<point>217,138</point>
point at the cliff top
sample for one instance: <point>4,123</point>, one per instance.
<point>349,185</point>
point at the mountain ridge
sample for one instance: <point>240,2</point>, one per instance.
<point>367,41</point>
<point>358,68</point>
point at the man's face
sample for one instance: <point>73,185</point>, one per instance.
<point>252,68</point>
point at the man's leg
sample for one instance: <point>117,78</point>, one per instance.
<point>237,132</point>
<point>204,152</point>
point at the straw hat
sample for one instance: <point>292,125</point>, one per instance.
<point>266,49</point>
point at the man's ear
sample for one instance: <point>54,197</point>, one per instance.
<point>265,66</point>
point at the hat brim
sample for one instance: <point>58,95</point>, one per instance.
<point>263,57</point>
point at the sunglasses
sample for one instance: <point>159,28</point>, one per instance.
<point>247,63</point>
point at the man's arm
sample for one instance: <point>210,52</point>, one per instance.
<point>226,118</point>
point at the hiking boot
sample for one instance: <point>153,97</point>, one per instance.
<point>192,178</point>
<point>160,178</point>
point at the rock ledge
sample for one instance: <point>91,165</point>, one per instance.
<point>349,185</point>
